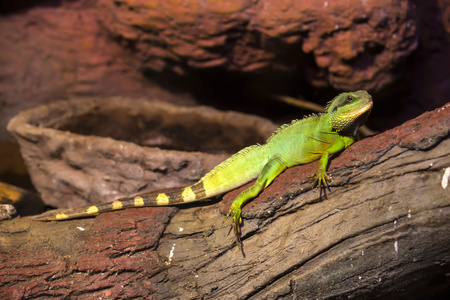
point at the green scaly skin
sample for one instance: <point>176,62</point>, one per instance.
<point>303,141</point>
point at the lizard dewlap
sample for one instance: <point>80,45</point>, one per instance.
<point>302,141</point>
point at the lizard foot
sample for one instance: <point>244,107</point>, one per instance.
<point>235,213</point>
<point>321,180</point>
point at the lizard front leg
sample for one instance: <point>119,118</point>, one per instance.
<point>321,176</point>
<point>269,172</point>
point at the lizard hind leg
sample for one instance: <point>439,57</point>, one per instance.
<point>270,171</point>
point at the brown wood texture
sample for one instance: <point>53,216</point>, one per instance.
<point>383,231</point>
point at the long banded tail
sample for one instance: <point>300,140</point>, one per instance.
<point>232,173</point>
<point>189,194</point>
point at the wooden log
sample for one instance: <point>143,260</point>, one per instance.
<point>382,231</point>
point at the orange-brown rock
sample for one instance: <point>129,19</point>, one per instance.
<point>105,47</point>
<point>355,44</point>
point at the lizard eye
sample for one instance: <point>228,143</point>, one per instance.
<point>349,98</point>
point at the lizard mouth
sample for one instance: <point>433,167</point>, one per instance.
<point>352,118</point>
<point>358,112</point>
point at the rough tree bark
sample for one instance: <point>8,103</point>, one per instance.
<point>382,231</point>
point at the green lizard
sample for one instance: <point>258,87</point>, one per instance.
<point>302,141</point>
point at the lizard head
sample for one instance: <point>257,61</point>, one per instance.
<point>348,111</point>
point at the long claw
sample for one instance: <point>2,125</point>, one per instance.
<point>235,213</point>
<point>237,234</point>
<point>226,218</point>
<point>321,181</point>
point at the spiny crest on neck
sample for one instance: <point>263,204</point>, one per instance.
<point>284,126</point>
<point>346,112</point>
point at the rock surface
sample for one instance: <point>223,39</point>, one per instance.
<point>81,151</point>
<point>355,44</point>
<point>383,231</point>
<point>127,48</point>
